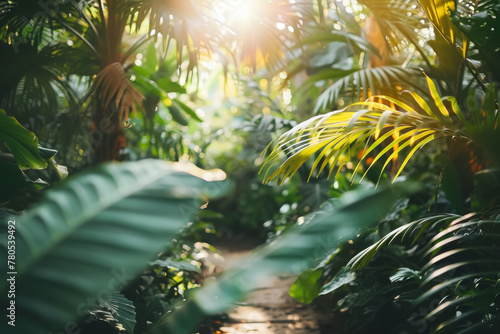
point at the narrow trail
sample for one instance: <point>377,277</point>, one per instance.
<point>270,310</point>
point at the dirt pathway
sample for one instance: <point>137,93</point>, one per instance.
<point>270,310</point>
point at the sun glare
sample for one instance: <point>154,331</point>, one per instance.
<point>242,11</point>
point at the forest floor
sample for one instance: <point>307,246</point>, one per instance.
<point>270,309</point>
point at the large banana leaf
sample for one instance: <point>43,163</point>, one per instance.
<point>293,253</point>
<point>91,235</point>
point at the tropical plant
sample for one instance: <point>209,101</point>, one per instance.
<point>293,252</point>
<point>427,271</point>
<point>20,154</point>
<point>89,64</point>
<point>87,42</point>
<point>366,126</point>
<point>360,51</point>
<point>88,237</point>
<point>76,60</point>
<point>422,273</point>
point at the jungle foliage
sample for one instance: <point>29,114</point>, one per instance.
<point>387,206</point>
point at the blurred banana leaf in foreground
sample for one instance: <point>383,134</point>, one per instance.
<point>91,235</point>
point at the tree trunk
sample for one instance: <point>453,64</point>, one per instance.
<point>107,135</point>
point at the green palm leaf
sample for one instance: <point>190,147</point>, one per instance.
<point>32,82</point>
<point>360,84</point>
<point>462,271</point>
<point>109,222</point>
<point>459,270</point>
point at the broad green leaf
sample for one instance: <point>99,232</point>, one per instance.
<point>293,253</point>
<point>343,277</point>
<point>23,144</point>
<point>94,233</point>
<point>171,86</point>
<point>46,153</point>
<point>151,59</point>
<point>306,287</point>
<point>186,109</point>
<point>177,115</point>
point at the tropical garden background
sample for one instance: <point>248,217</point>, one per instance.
<point>357,141</point>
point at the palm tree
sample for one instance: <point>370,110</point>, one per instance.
<point>53,49</point>
<point>95,41</point>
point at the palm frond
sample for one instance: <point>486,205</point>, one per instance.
<point>367,125</point>
<point>186,22</point>
<point>412,123</point>
<point>33,80</point>
<point>397,20</point>
<point>462,272</point>
<point>406,234</point>
<point>36,22</point>
<point>458,271</point>
<point>361,84</point>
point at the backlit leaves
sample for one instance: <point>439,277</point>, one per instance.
<point>386,126</point>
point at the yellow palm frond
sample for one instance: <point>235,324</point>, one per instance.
<point>392,126</point>
<point>438,12</point>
